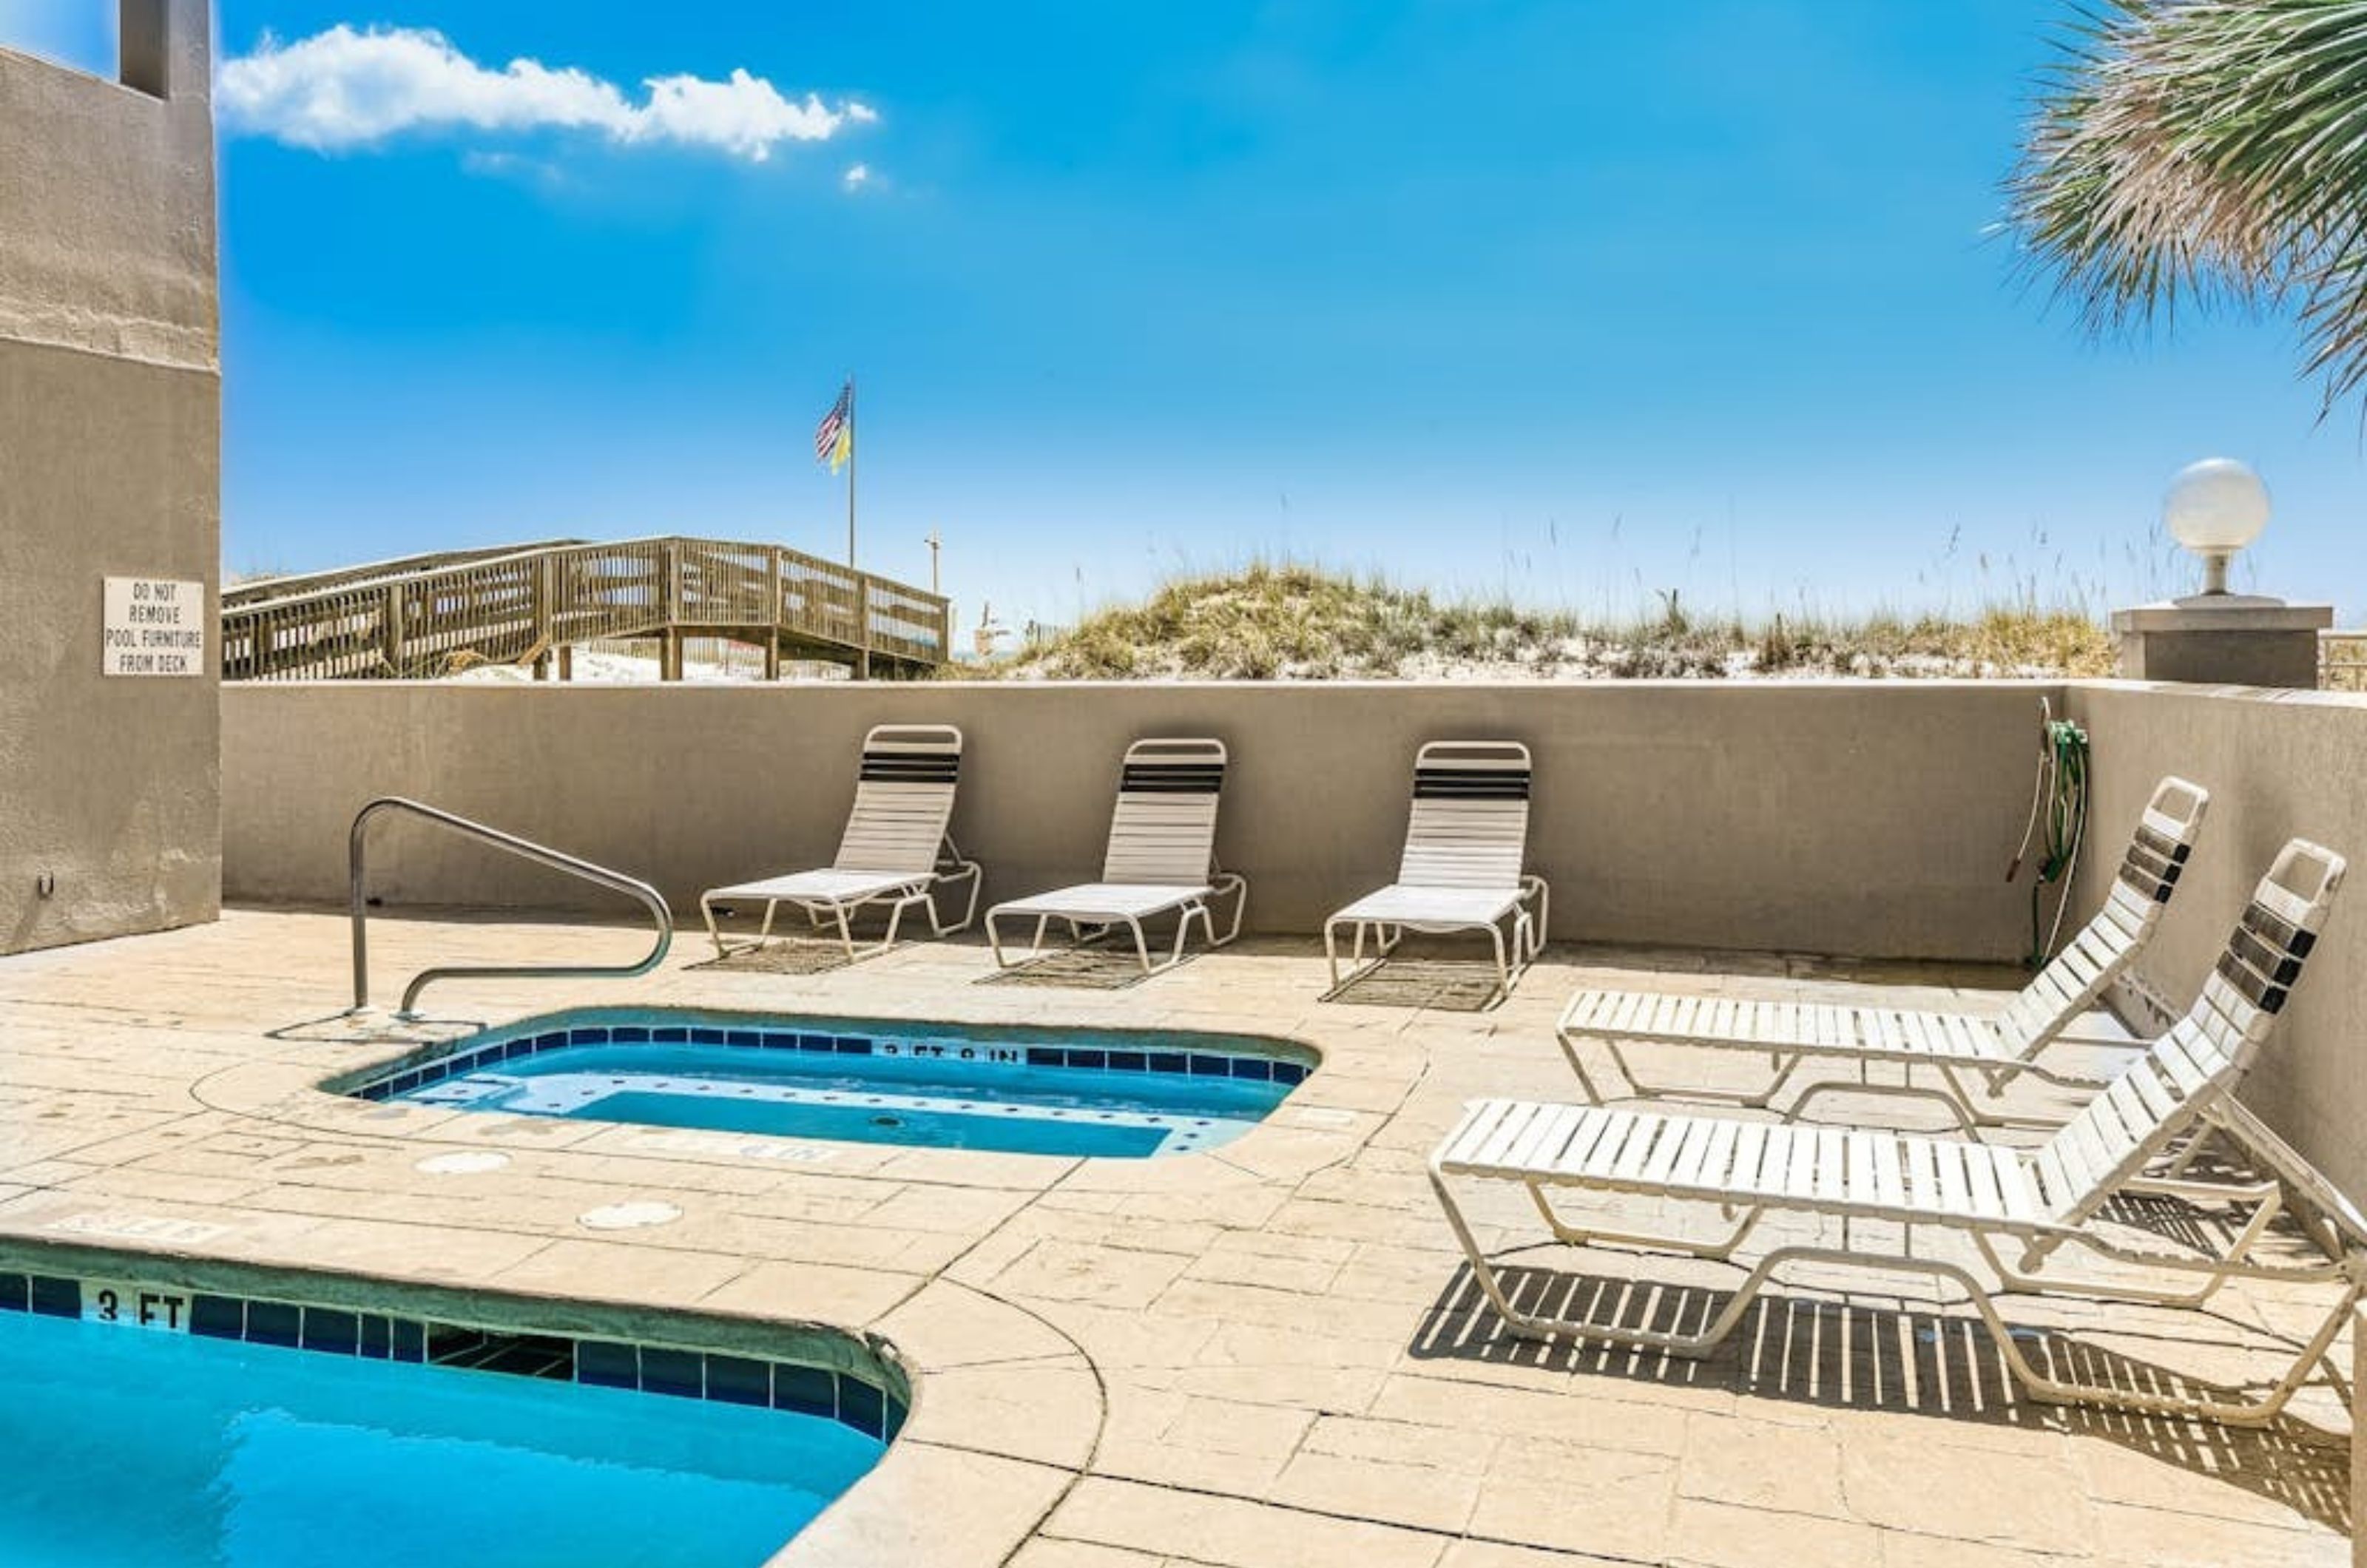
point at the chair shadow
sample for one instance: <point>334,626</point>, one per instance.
<point>1441,973</point>
<point>1438,985</point>
<point>1847,1356</point>
<point>1087,967</point>
<point>780,955</point>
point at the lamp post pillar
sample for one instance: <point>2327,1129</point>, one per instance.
<point>2215,509</point>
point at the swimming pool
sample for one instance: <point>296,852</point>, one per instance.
<point>149,1426</point>
<point>1076,1093</point>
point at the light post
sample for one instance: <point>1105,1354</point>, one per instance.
<point>2214,508</point>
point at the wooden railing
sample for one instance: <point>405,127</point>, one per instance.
<point>2342,661</point>
<point>255,590</point>
<point>426,615</point>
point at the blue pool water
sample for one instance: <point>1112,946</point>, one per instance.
<point>1071,1093</point>
<point>130,1448</point>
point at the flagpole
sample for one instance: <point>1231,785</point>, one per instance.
<point>862,593</point>
<point>851,456</point>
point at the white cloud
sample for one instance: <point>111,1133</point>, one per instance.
<point>857,176</point>
<point>514,166</point>
<point>745,115</point>
<point>346,88</point>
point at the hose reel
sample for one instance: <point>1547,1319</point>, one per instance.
<point>2058,822</point>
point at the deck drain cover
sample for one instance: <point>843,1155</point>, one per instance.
<point>475,1164</point>
<point>628,1216</point>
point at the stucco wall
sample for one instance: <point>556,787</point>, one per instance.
<point>110,442</point>
<point>1846,817</point>
<point>2278,765</point>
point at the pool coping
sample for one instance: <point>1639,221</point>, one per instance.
<point>276,1090</point>
<point>1113,1358</point>
<point>944,1447</point>
<point>852,1353</point>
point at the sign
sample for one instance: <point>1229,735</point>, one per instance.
<point>153,626</point>
<point>135,1306</point>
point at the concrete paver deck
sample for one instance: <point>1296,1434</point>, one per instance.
<point>1261,1355</point>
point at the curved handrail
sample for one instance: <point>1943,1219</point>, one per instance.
<point>525,849</point>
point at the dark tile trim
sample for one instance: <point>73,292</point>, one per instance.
<point>840,1396</point>
<point>469,1055</point>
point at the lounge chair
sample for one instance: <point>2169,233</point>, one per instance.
<point>1466,839</point>
<point>1161,858</point>
<point>2035,1201</point>
<point>1997,1047</point>
<point>896,850</point>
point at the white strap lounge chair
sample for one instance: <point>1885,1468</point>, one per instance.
<point>1467,843</point>
<point>896,850</point>
<point>1995,1047</point>
<point>1161,859</point>
<point>2030,1203</point>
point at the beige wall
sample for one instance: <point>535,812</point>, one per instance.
<point>1871,819</point>
<point>2277,765</point>
<point>109,440</point>
<point>1861,818</point>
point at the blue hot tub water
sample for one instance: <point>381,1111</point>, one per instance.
<point>1070,1093</point>
<point>133,1447</point>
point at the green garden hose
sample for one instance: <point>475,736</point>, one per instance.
<point>2058,800</point>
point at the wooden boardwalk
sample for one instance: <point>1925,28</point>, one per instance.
<point>428,615</point>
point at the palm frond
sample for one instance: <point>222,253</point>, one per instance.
<point>2211,153</point>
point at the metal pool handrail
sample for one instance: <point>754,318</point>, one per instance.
<point>525,849</point>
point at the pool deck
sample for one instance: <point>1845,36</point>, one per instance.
<point>1266,1356</point>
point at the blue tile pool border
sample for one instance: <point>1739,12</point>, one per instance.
<point>1112,1053</point>
<point>592,1360</point>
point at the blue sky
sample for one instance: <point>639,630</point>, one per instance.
<point>1582,302</point>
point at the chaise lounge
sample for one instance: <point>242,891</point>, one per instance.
<point>1996,1048</point>
<point>1161,859</point>
<point>1463,869</point>
<point>2035,1203</point>
<point>897,850</point>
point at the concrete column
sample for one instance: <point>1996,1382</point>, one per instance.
<point>2223,640</point>
<point>110,467</point>
<point>144,48</point>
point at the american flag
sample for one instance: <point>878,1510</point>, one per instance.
<point>832,426</point>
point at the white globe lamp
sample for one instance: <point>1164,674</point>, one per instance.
<point>2215,508</point>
